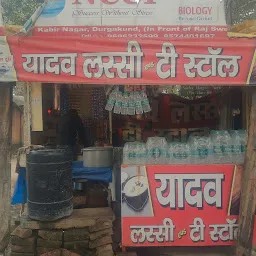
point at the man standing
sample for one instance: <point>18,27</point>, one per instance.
<point>69,126</point>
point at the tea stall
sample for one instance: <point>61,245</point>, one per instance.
<point>165,201</point>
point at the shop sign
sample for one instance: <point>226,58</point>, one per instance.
<point>136,19</point>
<point>192,205</point>
<point>133,62</point>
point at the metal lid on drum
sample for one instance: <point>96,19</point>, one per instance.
<point>48,155</point>
<point>98,149</point>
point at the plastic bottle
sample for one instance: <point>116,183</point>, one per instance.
<point>124,109</point>
<point>237,157</point>
<point>131,104</point>
<point>138,105</point>
<point>157,148</point>
<point>126,153</point>
<point>216,139</point>
<point>145,103</point>
<point>244,140</point>
<point>179,153</point>
<point>118,104</point>
<point>226,147</point>
<point>111,101</point>
<point>201,150</point>
<point>141,153</point>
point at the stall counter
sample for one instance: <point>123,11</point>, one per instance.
<point>182,205</point>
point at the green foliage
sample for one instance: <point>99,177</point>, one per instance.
<point>17,12</point>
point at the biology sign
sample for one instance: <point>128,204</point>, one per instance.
<point>85,18</point>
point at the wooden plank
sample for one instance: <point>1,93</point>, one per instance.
<point>81,218</point>
<point>248,196</point>
<point>5,168</point>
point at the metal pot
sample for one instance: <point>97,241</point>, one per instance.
<point>98,157</point>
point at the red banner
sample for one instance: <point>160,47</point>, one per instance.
<point>102,61</point>
<point>191,205</point>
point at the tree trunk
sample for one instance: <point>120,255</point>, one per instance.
<point>5,167</point>
<point>248,196</point>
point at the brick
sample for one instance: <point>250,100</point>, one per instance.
<point>68,253</point>
<point>78,200</point>
<point>42,250</point>
<point>55,235</point>
<point>81,218</point>
<point>126,254</point>
<point>109,253</point>
<point>15,240</point>
<point>101,225</point>
<point>22,232</point>
<point>104,249</point>
<point>19,254</point>
<point>48,243</point>
<point>76,234</point>
<point>100,242</point>
<point>76,245</point>
<point>52,253</point>
<point>101,233</point>
<point>25,249</point>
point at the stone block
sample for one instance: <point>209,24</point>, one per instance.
<point>104,249</point>
<point>58,252</point>
<point>15,240</point>
<point>81,218</point>
<point>19,254</point>
<point>109,253</point>
<point>55,235</point>
<point>100,242</point>
<point>76,245</point>
<point>101,233</point>
<point>42,250</point>
<point>76,234</point>
<point>126,254</point>
<point>101,225</point>
<point>52,253</point>
<point>68,253</point>
<point>48,243</point>
<point>22,249</point>
<point>78,201</point>
<point>22,232</point>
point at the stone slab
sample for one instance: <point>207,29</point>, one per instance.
<point>42,250</point>
<point>15,240</point>
<point>104,249</point>
<point>54,235</point>
<point>22,233</point>
<point>101,225</point>
<point>76,234</point>
<point>109,253</point>
<point>101,233</point>
<point>78,245</point>
<point>19,254</point>
<point>59,252</point>
<point>22,249</point>
<point>126,254</point>
<point>48,243</point>
<point>81,218</point>
<point>100,242</point>
<point>51,253</point>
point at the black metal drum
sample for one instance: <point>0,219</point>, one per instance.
<point>49,183</point>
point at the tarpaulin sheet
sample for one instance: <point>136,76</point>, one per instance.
<point>78,172</point>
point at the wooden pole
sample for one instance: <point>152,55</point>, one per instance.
<point>248,196</point>
<point>5,154</point>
